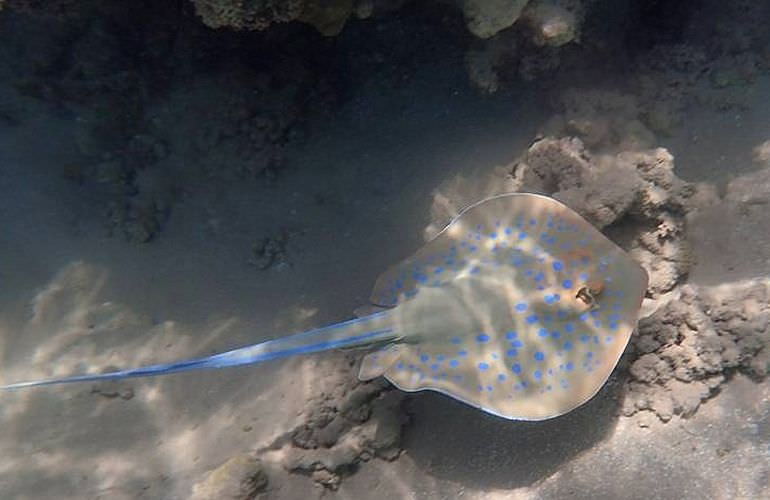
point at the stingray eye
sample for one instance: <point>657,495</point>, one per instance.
<point>585,296</point>
<point>589,293</point>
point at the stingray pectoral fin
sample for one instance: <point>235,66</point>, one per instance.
<point>376,363</point>
<point>373,329</point>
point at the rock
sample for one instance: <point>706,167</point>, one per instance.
<point>485,18</point>
<point>240,478</point>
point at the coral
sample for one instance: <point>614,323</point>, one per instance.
<point>485,18</point>
<point>529,53</point>
<point>247,14</point>
<point>347,423</point>
<point>604,120</point>
<point>687,348</point>
<point>484,62</point>
<point>327,16</point>
<point>550,23</point>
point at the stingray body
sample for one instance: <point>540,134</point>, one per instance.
<point>519,307</point>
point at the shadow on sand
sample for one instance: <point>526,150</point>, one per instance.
<point>456,442</point>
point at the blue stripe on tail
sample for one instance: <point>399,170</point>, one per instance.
<point>356,332</point>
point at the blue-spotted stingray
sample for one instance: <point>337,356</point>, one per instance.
<point>519,307</point>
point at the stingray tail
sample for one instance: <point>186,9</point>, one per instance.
<point>374,329</point>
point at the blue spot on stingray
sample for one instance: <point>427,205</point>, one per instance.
<point>440,358</point>
<point>613,326</point>
<point>583,277</point>
<point>495,355</point>
<point>539,356</point>
<point>454,363</point>
<point>551,299</point>
<point>400,365</point>
<point>438,270</point>
<point>457,340</point>
<point>555,334</point>
<point>493,235</point>
<point>517,343</point>
<point>543,332</point>
<point>532,222</point>
<point>511,335</point>
<point>516,368</point>
<point>538,374</point>
<point>512,352</point>
<point>517,262</point>
<point>529,272</point>
<point>568,346</point>
<point>490,388</point>
<point>501,377</point>
<point>558,265</point>
<point>562,314</point>
<point>420,277</point>
<point>424,358</point>
<point>462,353</point>
<point>524,384</point>
<point>590,354</point>
<point>594,313</point>
<point>569,328</point>
<point>457,378</point>
<point>522,235</point>
<point>584,317</point>
<point>539,276</point>
<point>483,366</point>
<point>585,338</point>
<point>508,231</point>
<point>567,284</point>
<point>475,270</point>
<point>597,323</point>
<point>434,367</point>
<point>608,339</point>
<point>482,338</point>
<point>472,248</point>
<point>532,319</point>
